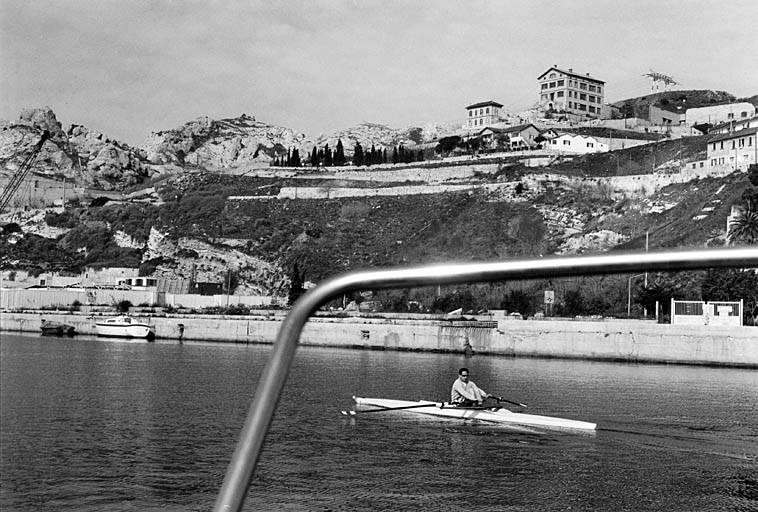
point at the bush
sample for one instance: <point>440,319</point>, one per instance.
<point>123,306</point>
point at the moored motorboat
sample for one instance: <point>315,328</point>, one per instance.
<point>50,328</point>
<point>491,414</point>
<point>124,327</point>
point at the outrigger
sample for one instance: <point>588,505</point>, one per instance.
<point>491,414</point>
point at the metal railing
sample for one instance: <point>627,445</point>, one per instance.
<point>241,468</point>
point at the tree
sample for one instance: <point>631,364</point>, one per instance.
<point>339,154</point>
<point>328,160</point>
<point>357,154</point>
<point>297,280</point>
<point>744,227</point>
<point>314,157</point>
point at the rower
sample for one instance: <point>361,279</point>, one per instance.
<point>465,393</point>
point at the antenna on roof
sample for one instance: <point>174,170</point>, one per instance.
<point>659,78</point>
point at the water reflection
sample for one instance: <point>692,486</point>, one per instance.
<point>93,425</point>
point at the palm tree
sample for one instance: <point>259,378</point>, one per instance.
<point>743,227</point>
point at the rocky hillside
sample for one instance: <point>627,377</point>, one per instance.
<point>84,157</point>
<point>188,226</point>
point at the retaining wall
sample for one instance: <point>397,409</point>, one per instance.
<point>629,341</point>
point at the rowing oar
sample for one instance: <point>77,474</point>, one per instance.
<point>353,413</point>
<point>501,399</point>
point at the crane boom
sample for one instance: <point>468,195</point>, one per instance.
<point>21,172</point>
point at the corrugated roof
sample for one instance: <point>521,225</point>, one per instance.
<point>571,73</point>
<point>485,104</point>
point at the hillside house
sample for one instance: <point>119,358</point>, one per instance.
<point>735,151</point>
<point>576,144</point>
<point>482,114</point>
<point>574,93</point>
<point>717,114</point>
<point>515,137</point>
<point>663,117</point>
<point>735,125</point>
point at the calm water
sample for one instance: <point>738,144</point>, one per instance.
<point>87,424</point>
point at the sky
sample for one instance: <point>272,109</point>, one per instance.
<point>128,68</point>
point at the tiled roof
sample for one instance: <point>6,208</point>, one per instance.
<point>571,73</point>
<point>733,135</point>
<point>485,104</point>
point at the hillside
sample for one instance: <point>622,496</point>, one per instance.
<point>185,226</point>
<point>674,101</point>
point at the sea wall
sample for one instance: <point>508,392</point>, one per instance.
<point>629,341</point>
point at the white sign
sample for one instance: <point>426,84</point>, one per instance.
<point>549,297</point>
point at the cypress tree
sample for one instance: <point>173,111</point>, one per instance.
<point>328,160</point>
<point>339,154</point>
<point>314,157</point>
<point>357,154</point>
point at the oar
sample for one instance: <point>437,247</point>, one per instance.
<point>353,413</point>
<point>501,399</point>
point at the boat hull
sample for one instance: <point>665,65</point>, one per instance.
<point>488,414</point>
<point>114,328</point>
<point>57,329</point>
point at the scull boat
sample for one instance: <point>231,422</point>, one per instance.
<point>493,414</point>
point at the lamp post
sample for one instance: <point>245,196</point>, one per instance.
<point>629,295</point>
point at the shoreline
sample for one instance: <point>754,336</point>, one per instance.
<point>613,340</point>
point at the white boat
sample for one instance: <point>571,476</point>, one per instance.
<point>124,327</point>
<point>492,414</point>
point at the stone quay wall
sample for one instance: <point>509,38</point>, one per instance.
<point>616,340</point>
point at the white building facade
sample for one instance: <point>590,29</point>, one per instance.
<point>717,114</point>
<point>482,114</point>
<point>735,151</point>
<point>576,144</point>
<point>564,90</point>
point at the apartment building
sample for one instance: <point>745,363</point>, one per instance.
<point>482,114</point>
<point>574,93</point>
<point>734,151</point>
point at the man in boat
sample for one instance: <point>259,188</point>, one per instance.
<point>465,393</point>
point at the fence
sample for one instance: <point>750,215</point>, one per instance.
<point>695,312</point>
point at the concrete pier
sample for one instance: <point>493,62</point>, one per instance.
<point>609,340</point>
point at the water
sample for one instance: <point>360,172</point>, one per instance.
<point>91,425</point>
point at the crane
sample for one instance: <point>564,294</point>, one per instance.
<point>21,173</point>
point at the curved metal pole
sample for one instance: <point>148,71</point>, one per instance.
<point>240,471</point>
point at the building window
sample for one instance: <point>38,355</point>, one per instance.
<point>544,86</point>
<point>714,147</point>
<point>599,90</point>
<point>566,142</point>
<point>559,94</point>
<point>581,106</point>
<point>487,110</point>
<point>552,75</point>
<point>730,115</point>
<point>590,145</point>
<point>722,145</point>
<point>702,164</point>
<point>749,141</point>
<point>553,142</point>
<point>592,109</point>
<point>744,114</point>
<point>592,88</point>
<point>552,84</point>
<point>583,87</point>
<point>582,96</point>
<point>560,83</point>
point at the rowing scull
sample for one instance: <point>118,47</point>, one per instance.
<point>497,415</point>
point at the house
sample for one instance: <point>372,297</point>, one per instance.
<point>574,93</point>
<point>662,117</point>
<point>576,144</point>
<point>734,151</point>
<point>717,114</point>
<point>735,125</point>
<point>516,137</point>
<point>482,114</point>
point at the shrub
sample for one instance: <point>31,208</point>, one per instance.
<point>123,306</point>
